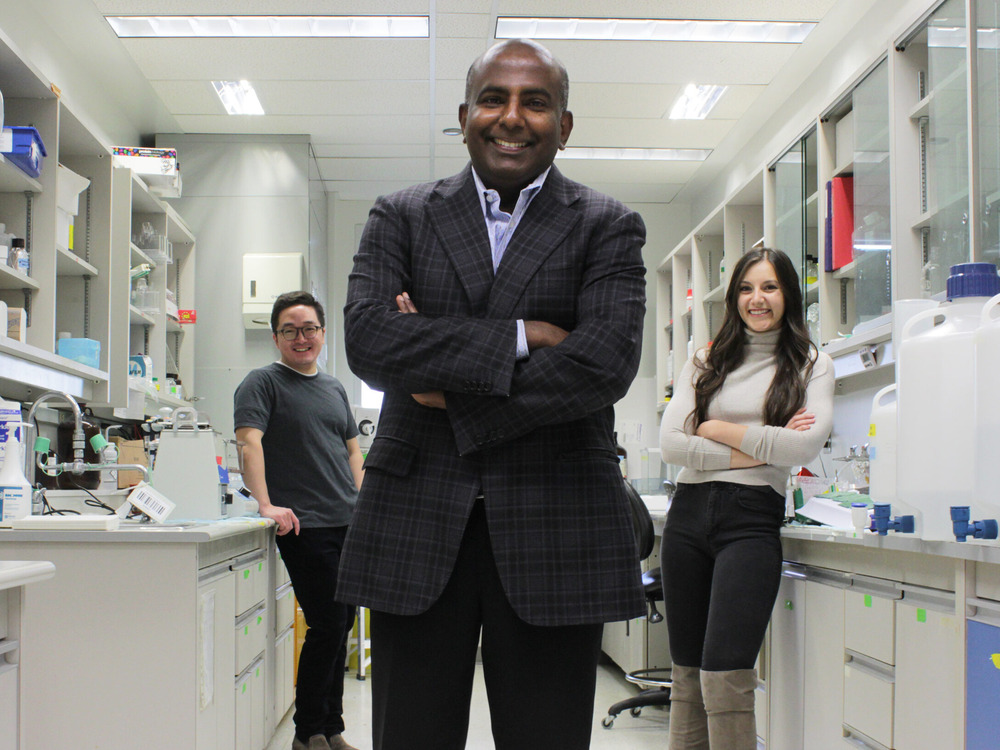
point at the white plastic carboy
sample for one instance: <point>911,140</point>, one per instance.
<point>986,492</point>
<point>882,447</point>
<point>936,443</point>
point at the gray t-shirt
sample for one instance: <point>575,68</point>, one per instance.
<point>306,421</point>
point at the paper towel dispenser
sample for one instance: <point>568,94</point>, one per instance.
<point>265,277</point>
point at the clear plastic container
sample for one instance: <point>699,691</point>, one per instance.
<point>936,401</point>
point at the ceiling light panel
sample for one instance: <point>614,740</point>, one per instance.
<point>238,97</point>
<point>271,26</point>
<point>695,102</point>
<point>637,154</point>
<point>653,30</point>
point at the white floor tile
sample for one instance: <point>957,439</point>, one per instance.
<point>648,731</point>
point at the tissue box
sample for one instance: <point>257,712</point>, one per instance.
<point>157,166</point>
<point>17,323</point>
<point>85,351</point>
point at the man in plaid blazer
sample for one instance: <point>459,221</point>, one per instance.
<point>500,310</point>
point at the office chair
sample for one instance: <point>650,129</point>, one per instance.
<point>655,681</point>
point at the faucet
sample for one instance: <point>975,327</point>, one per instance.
<point>79,439</point>
<point>858,460</point>
<point>77,465</point>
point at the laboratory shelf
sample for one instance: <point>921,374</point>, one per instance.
<point>14,180</point>
<point>12,279</point>
<point>69,263</point>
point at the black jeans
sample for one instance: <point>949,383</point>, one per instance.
<point>313,558</point>
<point>721,560</point>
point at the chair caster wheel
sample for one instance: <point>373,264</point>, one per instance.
<point>607,722</point>
<point>635,711</point>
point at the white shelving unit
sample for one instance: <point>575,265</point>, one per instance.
<point>84,289</point>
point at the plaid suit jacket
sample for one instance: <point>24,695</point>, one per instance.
<point>534,436</point>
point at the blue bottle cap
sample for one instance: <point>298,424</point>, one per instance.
<point>973,280</point>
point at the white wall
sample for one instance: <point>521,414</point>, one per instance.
<point>242,194</point>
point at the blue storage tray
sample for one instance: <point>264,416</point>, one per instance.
<point>28,151</point>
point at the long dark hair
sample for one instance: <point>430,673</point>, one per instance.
<point>795,353</point>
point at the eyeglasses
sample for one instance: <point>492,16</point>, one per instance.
<point>291,332</point>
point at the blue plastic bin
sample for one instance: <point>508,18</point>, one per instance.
<point>85,351</point>
<point>28,151</point>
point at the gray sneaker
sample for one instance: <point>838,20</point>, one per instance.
<point>337,742</point>
<point>316,742</point>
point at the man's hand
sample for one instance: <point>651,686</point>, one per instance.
<point>540,334</point>
<point>284,517</point>
<point>404,304</point>
<point>801,421</point>
<point>432,399</point>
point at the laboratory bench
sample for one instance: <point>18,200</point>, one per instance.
<point>881,642</point>
<point>178,634</point>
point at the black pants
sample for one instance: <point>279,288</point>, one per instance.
<point>312,558</point>
<point>721,560</point>
<point>539,680</point>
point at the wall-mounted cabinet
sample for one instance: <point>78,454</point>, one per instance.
<point>897,179</point>
<point>78,282</point>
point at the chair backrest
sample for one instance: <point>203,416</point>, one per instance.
<point>642,522</point>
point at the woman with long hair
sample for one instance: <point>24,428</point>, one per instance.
<point>756,402</point>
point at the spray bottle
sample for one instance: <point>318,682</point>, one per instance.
<point>15,490</point>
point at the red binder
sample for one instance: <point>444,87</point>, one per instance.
<point>843,221</point>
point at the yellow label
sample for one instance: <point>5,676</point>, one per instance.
<point>871,430</point>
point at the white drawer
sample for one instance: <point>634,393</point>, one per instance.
<point>251,583</point>
<point>870,625</point>
<point>284,599</point>
<point>868,701</point>
<point>251,636</point>
<point>280,571</point>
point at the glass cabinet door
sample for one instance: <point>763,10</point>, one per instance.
<point>872,234</point>
<point>796,210</point>
<point>947,145</point>
<point>988,59</point>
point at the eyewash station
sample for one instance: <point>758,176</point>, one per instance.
<point>180,611</point>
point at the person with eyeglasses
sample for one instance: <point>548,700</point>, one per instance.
<point>303,464</point>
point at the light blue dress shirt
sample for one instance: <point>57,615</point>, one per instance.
<point>500,226</point>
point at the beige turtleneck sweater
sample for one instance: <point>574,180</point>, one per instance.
<point>741,401</point>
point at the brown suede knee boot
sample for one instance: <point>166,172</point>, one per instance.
<point>729,701</point>
<point>688,722</point>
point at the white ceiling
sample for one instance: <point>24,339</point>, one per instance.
<point>374,109</point>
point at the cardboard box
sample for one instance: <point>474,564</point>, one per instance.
<point>17,323</point>
<point>130,452</point>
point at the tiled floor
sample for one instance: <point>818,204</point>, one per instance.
<point>648,731</point>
